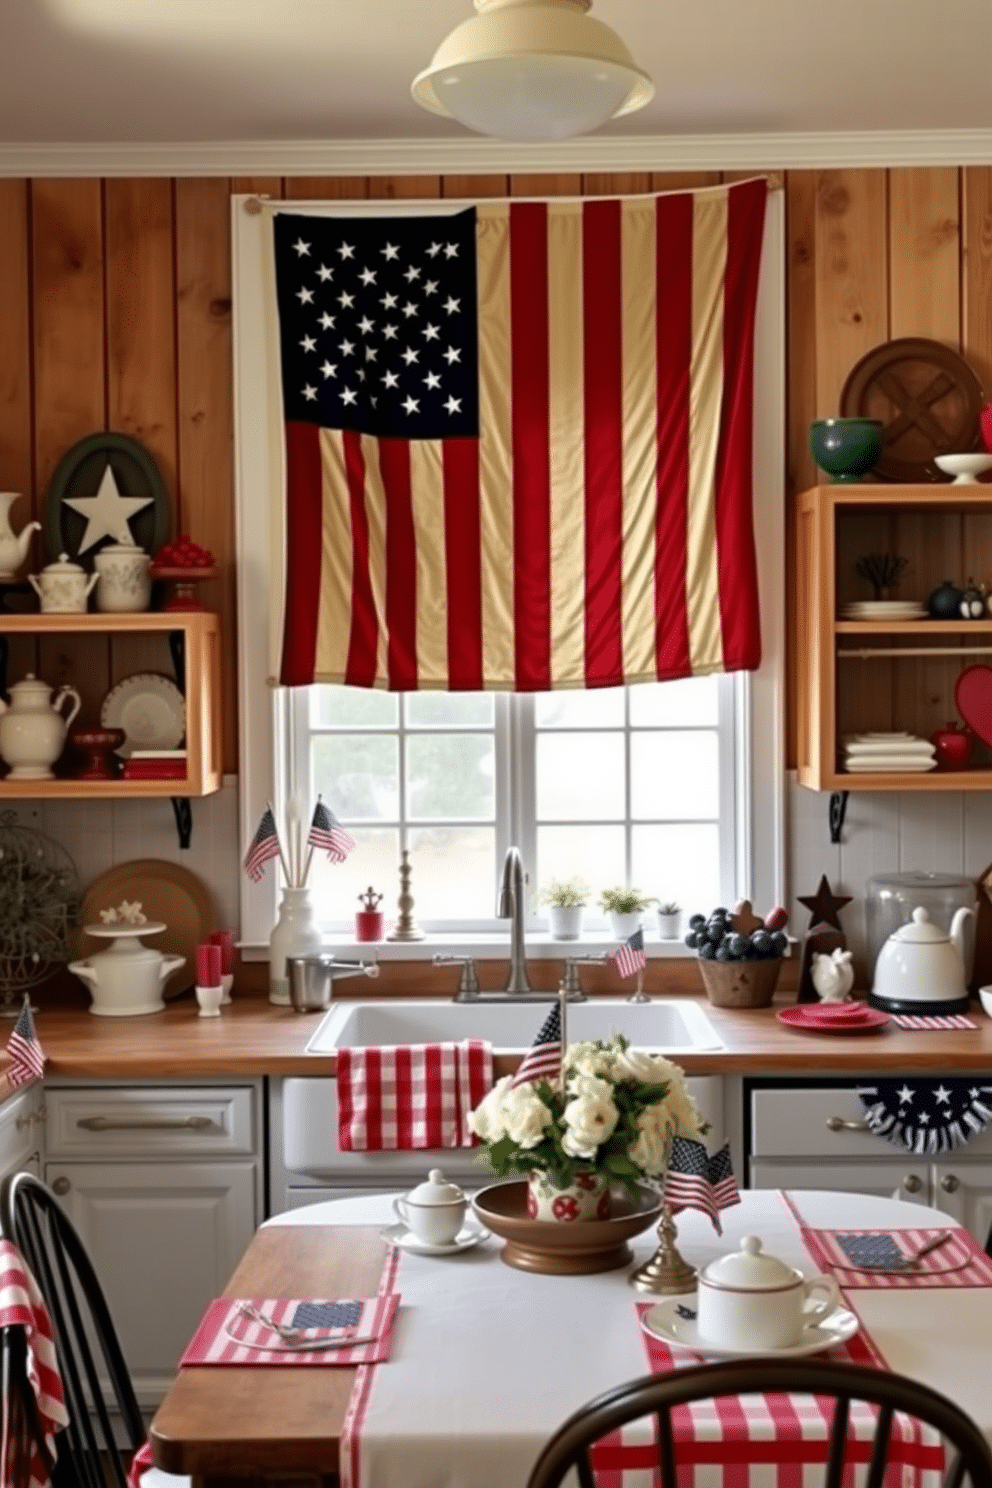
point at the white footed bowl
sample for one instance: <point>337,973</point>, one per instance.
<point>965,468</point>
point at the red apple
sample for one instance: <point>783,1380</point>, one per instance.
<point>954,747</point>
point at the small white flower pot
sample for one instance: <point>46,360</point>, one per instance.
<point>624,925</point>
<point>565,921</point>
<point>669,925</point>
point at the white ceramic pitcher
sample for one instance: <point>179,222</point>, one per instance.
<point>32,729</point>
<point>13,545</point>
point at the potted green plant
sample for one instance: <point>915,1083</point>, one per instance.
<point>669,919</point>
<point>565,898</point>
<point>625,907</point>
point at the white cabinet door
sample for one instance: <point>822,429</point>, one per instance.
<point>21,1121</point>
<point>964,1191</point>
<point>892,1180</point>
<point>164,1239</point>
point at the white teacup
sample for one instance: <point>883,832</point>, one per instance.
<point>749,1300</point>
<point>434,1211</point>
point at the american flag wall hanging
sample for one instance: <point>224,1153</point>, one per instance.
<point>518,442</point>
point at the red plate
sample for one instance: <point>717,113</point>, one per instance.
<point>798,1017</point>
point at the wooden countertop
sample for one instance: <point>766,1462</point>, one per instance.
<point>252,1038</point>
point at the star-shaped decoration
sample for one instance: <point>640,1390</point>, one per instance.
<point>453,405</point>
<point>409,309</point>
<point>107,513</point>
<point>434,250</point>
<point>430,286</point>
<point>365,325</point>
<point>348,396</point>
<point>367,276</point>
<point>924,1119</point>
<point>346,250</point>
<point>411,274</point>
<point>346,348</point>
<point>411,405</point>
<point>329,369</point>
<point>432,380</point>
<point>310,393</point>
<point>410,356</point>
<point>302,249</point>
<point>905,1094</point>
<point>451,305</point>
<point>452,355</point>
<point>825,906</point>
<point>305,296</point>
<point>451,250</point>
<point>431,333</point>
<point>327,321</point>
<point>390,301</point>
<point>390,379</point>
<point>390,251</point>
<point>346,300</point>
<point>324,273</point>
<point>942,1095</point>
<point>309,343</point>
<point>370,353</point>
<point>389,332</point>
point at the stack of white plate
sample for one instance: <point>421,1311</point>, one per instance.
<point>888,754</point>
<point>884,609</point>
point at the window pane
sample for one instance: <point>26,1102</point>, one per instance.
<point>601,707</point>
<point>352,707</point>
<point>680,863</point>
<point>358,775</point>
<point>690,701</point>
<point>674,775</point>
<point>454,872</point>
<point>450,709</point>
<point>451,775</point>
<point>373,862</point>
<point>580,777</point>
<point>593,853</point>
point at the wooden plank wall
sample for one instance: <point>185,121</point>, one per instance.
<point>115,301</point>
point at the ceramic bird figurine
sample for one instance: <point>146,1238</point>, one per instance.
<point>833,975</point>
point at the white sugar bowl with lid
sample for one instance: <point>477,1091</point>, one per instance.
<point>125,579</point>
<point>433,1211</point>
<point>63,587</point>
<point>750,1300</point>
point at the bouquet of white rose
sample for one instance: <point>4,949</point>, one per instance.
<point>614,1116</point>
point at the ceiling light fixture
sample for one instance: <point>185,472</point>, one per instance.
<point>532,70</point>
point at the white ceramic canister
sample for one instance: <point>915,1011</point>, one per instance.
<point>32,729</point>
<point>295,934</point>
<point>127,978</point>
<point>125,583</point>
<point>434,1211</point>
<point>749,1300</point>
<point>63,587</point>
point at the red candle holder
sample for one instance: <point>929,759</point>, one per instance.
<point>369,924</point>
<point>182,596</point>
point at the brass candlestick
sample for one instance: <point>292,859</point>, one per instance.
<point>666,1271</point>
<point>406,927</point>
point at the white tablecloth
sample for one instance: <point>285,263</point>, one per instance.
<point>488,1361</point>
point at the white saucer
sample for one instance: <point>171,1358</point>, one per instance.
<point>469,1235</point>
<point>663,1322</point>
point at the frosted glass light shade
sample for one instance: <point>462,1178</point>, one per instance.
<point>532,69</point>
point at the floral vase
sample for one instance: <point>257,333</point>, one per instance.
<point>295,933</point>
<point>587,1198</point>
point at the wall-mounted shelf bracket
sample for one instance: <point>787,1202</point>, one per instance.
<point>837,813</point>
<point>183,809</point>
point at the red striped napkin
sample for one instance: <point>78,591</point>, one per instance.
<point>932,1020</point>
<point>227,1336</point>
<point>21,1303</point>
<point>410,1097</point>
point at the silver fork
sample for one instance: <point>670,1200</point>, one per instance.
<point>283,1329</point>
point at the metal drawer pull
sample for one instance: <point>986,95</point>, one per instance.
<point>838,1123</point>
<point>135,1123</point>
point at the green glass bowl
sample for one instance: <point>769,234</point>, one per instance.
<point>846,448</point>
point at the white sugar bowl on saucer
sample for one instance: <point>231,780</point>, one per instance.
<point>749,1300</point>
<point>433,1211</point>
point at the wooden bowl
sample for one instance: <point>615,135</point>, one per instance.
<point>740,984</point>
<point>565,1249</point>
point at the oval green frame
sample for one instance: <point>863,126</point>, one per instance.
<point>156,519</point>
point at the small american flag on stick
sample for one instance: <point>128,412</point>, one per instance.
<point>630,958</point>
<point>327,834</point>
<point>696,1181</point>
<point>27,1057</point>
<point>264,846</point>
<point>543,1059</point>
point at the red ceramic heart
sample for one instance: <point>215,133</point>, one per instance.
<point>973,695</point>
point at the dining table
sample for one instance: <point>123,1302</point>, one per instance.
<point>485,1361</point>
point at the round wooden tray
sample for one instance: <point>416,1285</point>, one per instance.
<point>928,399</point>
<point>565,1249</point>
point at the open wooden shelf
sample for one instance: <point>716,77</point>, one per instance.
<point>66,644</point>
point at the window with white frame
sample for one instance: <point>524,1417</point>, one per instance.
<point>675,788</point>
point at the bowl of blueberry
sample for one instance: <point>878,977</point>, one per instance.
<point>740,954</point>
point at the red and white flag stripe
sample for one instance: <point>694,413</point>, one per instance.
<point>21,1303</point>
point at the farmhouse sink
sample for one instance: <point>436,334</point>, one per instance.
<point>672,1026</point>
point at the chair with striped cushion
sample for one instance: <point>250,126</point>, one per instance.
<point>656,1395</point>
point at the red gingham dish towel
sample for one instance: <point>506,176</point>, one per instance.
<point>777,1436</point>
<point>21,1303</point>
<point>410,1097</point>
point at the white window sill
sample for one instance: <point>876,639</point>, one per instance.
<point>483,947</point>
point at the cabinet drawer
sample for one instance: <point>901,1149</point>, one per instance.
<point>800,1123</point>
<point>152,1122</point>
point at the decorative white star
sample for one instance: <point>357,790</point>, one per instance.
<point>432,380</point>
<point>374,400</point>
<point>370,353</point>
<point>923,1118</point>
<point>411,405</point>
<point>409,309</point>
<point>305,296</point>
<point>390,251</point>
<point>451,250</point>
<point>452,355</point>
<point>412,273</point>
<point>308,343</point>
<point>346,300</point>
<point>302,249</point>
<point>390,379</point>
<point>107,512</point>
<point>431,332</point>
<point>367,277</point>
<point>346,348</point>
<point>942,1095</point>
<point>905,1094</point>
<point>346,250</point>
<point>324,273</point>
<point>327,321</point>
<point>310,393</point>
<point>434,250</point>
<point>389,301</point>
<point>360,374</point>
<point>452,305</point>
<point>348,396</point>
<point>389,332</point>
<point>430,287</point>
<point>329,370</point>
<point>974,1093</point>
<point>454,405</point>
<point>365,325</point>
<point>410,356</point>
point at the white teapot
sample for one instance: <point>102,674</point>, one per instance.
<point>32,729</point>
<point>13,545</point>
<point>920,968</point>
<point>749,1300</point>
<point>63,587</point>
<point>433,1211</point>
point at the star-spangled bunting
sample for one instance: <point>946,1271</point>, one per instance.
<point>328,835</point>
<point>696,1181</point>
<point>264,846</point>
<point>24,1051</point>
<point>926,1115</point>
<point>543,1059</point>
<point>630,958</point>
